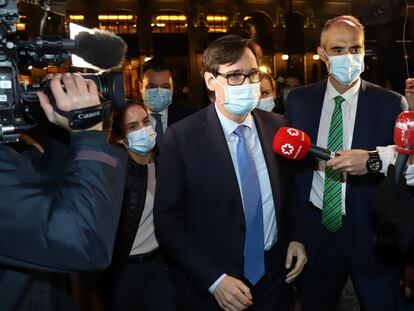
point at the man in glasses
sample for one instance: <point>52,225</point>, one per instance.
<point>222,205</point>
<point>343,113</point>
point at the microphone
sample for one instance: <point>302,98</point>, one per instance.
<point>295,144</point>
<point>102,49</point>
<point>404,140</point>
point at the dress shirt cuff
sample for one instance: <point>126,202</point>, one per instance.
<point>388,155</point>
<point>212,288</point>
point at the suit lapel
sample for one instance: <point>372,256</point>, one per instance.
<point>266,133</point>
<point>313,106</point>
<point>219,155</point>
<point>365,121</point>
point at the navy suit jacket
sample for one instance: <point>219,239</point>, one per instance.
<point>198,211</point>
<point>376,114</point>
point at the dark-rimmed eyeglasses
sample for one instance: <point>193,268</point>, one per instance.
<point>239,78</point>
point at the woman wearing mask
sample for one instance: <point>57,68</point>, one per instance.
<point>268,95</point>
<point>137,278</point>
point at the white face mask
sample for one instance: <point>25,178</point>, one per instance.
<point>240,99</point>
<point>347,68</point>
<point>142,141</point>
<point>266,104</point>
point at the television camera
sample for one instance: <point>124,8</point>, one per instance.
<point>18,101</point>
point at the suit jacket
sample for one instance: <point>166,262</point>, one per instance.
<point>198,211</point>
<point>376,114</point>
<point>177,111</point>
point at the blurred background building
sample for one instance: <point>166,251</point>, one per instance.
<point>288,32</point>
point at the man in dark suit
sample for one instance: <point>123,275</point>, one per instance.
<point>156,88</point>
<point>222,205</point>
<point>344,112</point>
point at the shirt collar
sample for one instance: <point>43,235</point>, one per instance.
<point>228,125</point>
<point>349,96</point>
<point>163,113</point>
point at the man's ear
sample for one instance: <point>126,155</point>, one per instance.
<point>322,54</point>
<point>210,82</point>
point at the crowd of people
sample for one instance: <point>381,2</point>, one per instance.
<point>177,209</point>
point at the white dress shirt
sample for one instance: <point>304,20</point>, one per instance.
<point>145,240</point>
<point>252,140</point>
<point>164,118</point>
<point>349,108</point>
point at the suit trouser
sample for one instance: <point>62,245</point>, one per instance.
<point>330,265</point>
<point>271,293</point>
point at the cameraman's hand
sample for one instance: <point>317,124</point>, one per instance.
<point>78,93</point>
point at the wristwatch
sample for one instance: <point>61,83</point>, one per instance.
<point>374,163</point>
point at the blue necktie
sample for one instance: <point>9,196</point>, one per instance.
<point>253,211</point>
<point>158,128</point>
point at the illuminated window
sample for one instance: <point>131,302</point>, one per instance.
<point>131,77</point>
<point>217,22</point>
<point>118,23</point>
<point>169,22</point>
<point>76,18</point>
<point>22,24</point>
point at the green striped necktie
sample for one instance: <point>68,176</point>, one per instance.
<point>332,192</point>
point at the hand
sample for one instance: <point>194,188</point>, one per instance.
<point>409,93</point>
<point>297,250</point>
<point>350,161</point>
<point>233,295</point>
<point>78,93</point>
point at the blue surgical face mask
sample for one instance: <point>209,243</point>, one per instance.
<point>158,98</point>
<point>346,68</point>
<point>266,104</point>
<point>240,99</point>
<point>142,141</point>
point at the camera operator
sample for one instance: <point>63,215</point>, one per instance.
<point>50,226</point>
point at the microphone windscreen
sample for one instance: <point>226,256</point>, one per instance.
<point>291,143</point>
<point>404,133</point>
<point>102,49</point>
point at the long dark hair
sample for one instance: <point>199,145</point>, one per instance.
<point>118,129</point>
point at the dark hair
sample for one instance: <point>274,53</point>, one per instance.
<point>118,129</point>
<point>227,49</point>
<point>157,64</point>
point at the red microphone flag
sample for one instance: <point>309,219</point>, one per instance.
<point>291,143</point>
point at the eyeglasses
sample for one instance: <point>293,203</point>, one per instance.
<point>239,78</point>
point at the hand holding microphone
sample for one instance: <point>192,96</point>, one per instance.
<point>295,144</point>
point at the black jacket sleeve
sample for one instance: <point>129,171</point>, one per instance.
<point>67,222</point>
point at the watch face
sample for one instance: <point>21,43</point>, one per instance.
<point>375,165</point>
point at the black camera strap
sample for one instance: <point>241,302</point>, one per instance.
<point>81,119</point>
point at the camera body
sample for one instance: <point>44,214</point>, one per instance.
<point>18,102</point>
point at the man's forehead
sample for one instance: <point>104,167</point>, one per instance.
<point>246,61</point>
<point>344,28</point>
<point>152,75</point>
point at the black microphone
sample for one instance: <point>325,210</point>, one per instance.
<point>321,153</point>
<point>102,49</point>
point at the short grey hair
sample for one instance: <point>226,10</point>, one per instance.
<point>340,19</point>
